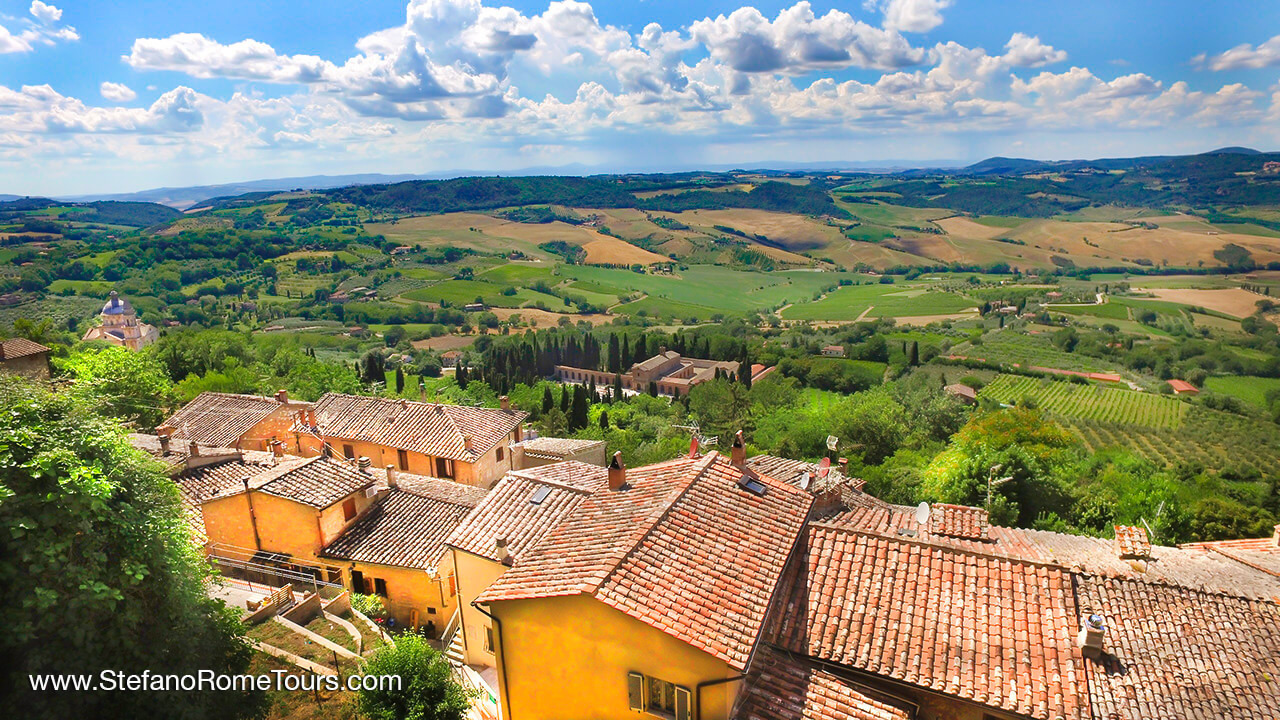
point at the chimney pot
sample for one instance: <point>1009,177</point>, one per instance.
<point>738,453</point>
<point>282,396</point>
<point>617,472</point>
<point>364,464</point>
<point>500,549</point>
<point>844,463</point>
<point>504,402</point>
<point>164,444</point>
<point>391,476</point>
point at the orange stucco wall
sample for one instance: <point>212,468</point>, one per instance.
<point>483,473</point>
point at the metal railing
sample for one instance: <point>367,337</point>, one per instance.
<point>275,570</point>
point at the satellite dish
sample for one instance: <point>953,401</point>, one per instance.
<point>922,513</point>
<point>805,480</point>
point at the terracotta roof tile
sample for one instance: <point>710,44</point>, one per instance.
<point>524,505</point>
<point>429,428</point>
<point>220,419</point>
<point>994,630</point>
<point>214,479</point>
<point>781,686</point>
<point>1175,653</point>
<point>1132,542</point>
<point>20,347</point>
<point>408,525</point>
<point>801,473</point>
<point>555,448</point>
<point>960,521</point>
<point>683,548</point>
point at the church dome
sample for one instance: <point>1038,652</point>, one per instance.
<point>117,305</point>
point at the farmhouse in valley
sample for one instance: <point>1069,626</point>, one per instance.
<point>1182,387</point>
<point>120,326</point>
<point>962,392</point>
<point>670,372</point>
<point>21,356</point>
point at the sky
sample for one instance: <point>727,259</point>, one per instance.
<point>104,97</point>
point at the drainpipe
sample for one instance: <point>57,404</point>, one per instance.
<point>500,651</point>
<point>697,692</point>
<point>253,517</point>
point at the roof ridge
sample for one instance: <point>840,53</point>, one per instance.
<point>1272,601</point>
<point>656,516</point>
<point>547,481</point>
<point>826,525</point>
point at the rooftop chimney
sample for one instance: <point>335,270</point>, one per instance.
<point>364,464</point>
<point>164,431</point>
<point>194,449</point>
<point>277,448</point>
<point>500,549</point>
<point>466,442</point>
<point>738,453</point>
<point>844,464</point>
<point>617,472</point>
<point>693,447</point>
<point>391,476</point>
<point>1092,632</point>
<point>504,402</point>
<point>282,396</point>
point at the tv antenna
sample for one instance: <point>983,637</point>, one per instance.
<point>695,430</point>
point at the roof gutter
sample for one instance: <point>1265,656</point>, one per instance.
<point>500,651</point>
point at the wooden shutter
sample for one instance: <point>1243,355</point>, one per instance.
<point>635,691</point>
<point>357,581</point>
<point>684,704</point>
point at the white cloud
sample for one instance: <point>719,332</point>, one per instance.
<point>117,92</point>
<point>10,43</point>
<point>41,109</point>
<point>1024,50</point>
<point>798,42</point>
<point>46,14</point>
<point>1243,57</point>
<point>916,16</point>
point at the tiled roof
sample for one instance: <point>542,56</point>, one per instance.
<point>553,447</point>
<point>220,419</point>
<point>318,481</point>
<point>509,510</point>
<point>781,686</point>
<point>1176,653</point>
<point>1132,542</point>
<point>959,521</point>
<point>962,390</point>
<point>683,548</point>
<point>993,630</point>
<point>656,361</point>
<point>407,527</point>
<point>801,473</point>
<point>226,477</point>
<point>428,428</point>
<point>1259,553</point>
<point>20,347</point>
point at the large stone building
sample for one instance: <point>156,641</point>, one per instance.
<point>669,371</point>
<point>21,356</point>
<point>120,326</point>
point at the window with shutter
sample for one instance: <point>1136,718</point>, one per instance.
<point>684,704</point>
<point>635,691</point>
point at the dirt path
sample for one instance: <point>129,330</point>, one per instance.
<point>863,316</point>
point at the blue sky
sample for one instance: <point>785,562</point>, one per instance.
<point>115,97</point>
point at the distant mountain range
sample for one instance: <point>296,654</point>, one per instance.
<point>184,198</point>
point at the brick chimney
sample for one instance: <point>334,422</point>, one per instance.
<point>1092,635</point>
<point>466,442</point>
<point>364,464</point>
<point>194,449</point>
<point>617,472</point>
<point>277,448</point>
<point>738,453</point>
<point>504,402</point>
<point>282,396</point>
<point>163,434</point>
<point>391,476</point>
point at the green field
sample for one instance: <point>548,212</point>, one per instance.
<point>848,303</point>
<point>1252,390</point>
<point>1206,437</point>
<point>1013,348</point>
<point>461,292</point>
<point>1089,402</point>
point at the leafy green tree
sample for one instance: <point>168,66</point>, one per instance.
<point>130,386</point>
<point>1015,443</point>
<point>98,570</point>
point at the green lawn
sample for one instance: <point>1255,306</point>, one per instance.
<point>847,303</point>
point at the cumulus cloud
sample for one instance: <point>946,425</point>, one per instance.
<point>797,41</point>
<point>117,92</point>
<point>41,109</point>
<point>915,16</point>
<point>1243,57</point>
<point>43,30</point>
<point>1024,50</point>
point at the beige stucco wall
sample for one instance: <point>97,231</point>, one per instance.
<point>32,366</point>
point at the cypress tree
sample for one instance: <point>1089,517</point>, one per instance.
<point>604,419</point>
<point>617,387</point>
<point>914,358</point>
<point>564,399</point>
<point>615,355</point>
<point>547,401</point>
<point>399,381</point>
<point>578,415</point>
